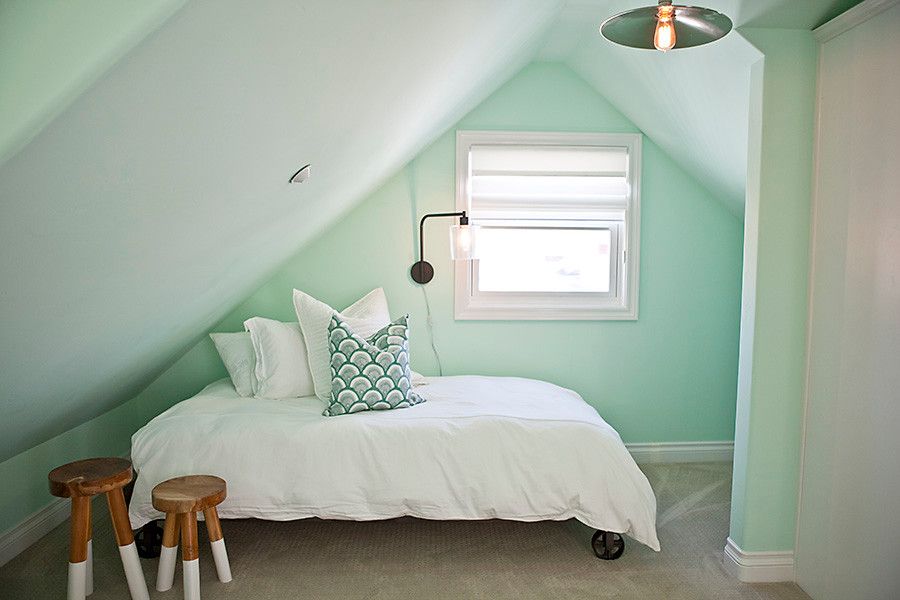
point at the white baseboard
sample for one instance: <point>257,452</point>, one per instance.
<point>682,452</point>
<point>758,567</point>
<point>37,525</point>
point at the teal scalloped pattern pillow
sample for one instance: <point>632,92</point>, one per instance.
<point>371,374</point>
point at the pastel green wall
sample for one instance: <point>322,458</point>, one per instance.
<point>774,315</point>
<point>106,435</point>
<point>51,52</point>
<point>670,376</point>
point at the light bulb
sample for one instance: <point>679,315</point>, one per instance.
<point>664,37</point>
<point>464,242</point>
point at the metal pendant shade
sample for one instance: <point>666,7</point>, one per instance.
<point>695,26</point>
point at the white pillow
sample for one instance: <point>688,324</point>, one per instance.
<point>365,316</point>
<point>236,351</point>
<point>282,370</point>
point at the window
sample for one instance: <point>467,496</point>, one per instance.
<point>559,216</point>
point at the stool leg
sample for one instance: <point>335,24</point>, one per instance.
<point>89,575</point>
<point>169,551</point>
<point>78,548</point>
<point>189,556</point>
<point>134,574</point>
<point>217,544</point>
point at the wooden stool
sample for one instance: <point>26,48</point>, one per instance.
<point>80,481</point>
<point>181,498</point>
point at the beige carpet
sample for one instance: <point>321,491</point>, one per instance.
<point>409,558</point>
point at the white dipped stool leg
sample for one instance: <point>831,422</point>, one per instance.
<point>190,563</point>
<point>80,524</point>
<point>89,570</point>
<point>134,574</point>
<point>217,544</point>
<point>191,570</point>
<point>168,553</point>
<point>77,572</point>
<point>220,556</point>
<point>166,574</point>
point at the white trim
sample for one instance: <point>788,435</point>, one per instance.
<point>682,452</point>
<point>624,306</point>
<point>848,20</point>
<point>758,567</point>
<point>41,522</point>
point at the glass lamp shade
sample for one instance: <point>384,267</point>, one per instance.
<point>464,242</point>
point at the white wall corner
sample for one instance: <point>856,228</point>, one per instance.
<point>15,540</point>
<point>682,452</point>
<point>758,567</point>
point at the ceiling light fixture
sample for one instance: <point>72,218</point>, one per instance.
<point>661,26</point>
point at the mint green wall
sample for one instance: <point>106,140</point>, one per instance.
<point>776,264</point>
<point>670,376</point>
<point>52,51</point>
<point>106,435</point>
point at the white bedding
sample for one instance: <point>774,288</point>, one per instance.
<point>479,448</point>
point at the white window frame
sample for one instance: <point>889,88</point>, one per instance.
<point>621,304</point>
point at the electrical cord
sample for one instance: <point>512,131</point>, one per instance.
<point>413,206</point>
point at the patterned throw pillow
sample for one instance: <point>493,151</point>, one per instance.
<point>371,374</point>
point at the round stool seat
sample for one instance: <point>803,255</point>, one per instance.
<point>192,493</point>
<point>89,477</point>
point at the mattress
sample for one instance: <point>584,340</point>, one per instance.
<point>478,448</point>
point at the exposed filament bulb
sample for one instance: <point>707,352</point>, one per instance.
<point>664,36</point>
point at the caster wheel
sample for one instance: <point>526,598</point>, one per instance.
<point>604,551</point>
<point>149,540</point>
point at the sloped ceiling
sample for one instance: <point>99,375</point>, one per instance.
<point>50,52</point>
<point>158,199</point>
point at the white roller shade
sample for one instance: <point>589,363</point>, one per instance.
<point>547,178</point>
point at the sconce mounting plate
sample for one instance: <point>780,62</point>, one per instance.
<point>422,272</point>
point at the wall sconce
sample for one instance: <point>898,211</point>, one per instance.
<point>463,245</point>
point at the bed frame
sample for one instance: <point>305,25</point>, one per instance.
<point>606,544</point>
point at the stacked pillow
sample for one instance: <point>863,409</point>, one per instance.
<point>236,350</point>
<point>273,359</point>
<point>281,367</point>
<point>365,316</point>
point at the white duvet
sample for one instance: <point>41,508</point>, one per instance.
<point>478,448</point>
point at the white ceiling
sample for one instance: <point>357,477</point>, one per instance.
<point>158,199</point>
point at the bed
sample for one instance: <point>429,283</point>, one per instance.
<point>478,448</point>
